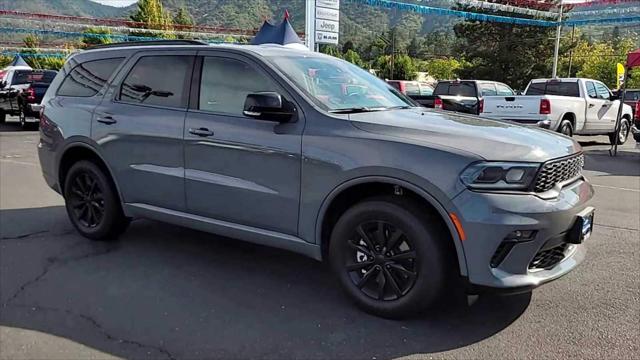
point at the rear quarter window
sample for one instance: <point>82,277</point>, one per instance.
<point>88,78</point>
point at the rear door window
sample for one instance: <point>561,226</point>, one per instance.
<point>603,91</point>
<point>158,80</point>
<point>88,78</point>
<point>31,76</point>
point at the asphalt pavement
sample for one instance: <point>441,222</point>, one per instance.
<point>165,292</point>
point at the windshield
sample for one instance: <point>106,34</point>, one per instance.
<point>338,85</point>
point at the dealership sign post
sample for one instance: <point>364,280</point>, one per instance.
<point>322,22</point>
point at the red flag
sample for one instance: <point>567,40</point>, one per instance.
<point>286,14</point>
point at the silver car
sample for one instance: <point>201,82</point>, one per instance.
<point>311,154</point>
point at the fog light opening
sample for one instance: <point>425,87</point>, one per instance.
<point>521,235</point>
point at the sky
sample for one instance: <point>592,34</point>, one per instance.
<point>118,3</point>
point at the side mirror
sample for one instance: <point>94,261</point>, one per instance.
<point>3,84</point>
<point>268,106</point>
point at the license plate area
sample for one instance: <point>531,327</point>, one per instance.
<point>583,227</point>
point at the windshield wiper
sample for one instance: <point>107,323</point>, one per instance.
<point>355,110</point>
<point>399,107</point>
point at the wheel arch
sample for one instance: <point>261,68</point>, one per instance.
<point>349,192</point>
<point>77,151</point>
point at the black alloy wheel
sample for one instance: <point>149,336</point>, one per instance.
<point>92,202</point>
<point>392,256</point>
<point>86,200</point>
<point>382,262</point>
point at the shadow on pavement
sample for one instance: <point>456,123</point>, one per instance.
<point>167,292</point>
<point>626,163</point>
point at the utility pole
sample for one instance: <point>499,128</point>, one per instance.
<point>557,49</point>
<point>393,52</point>
<point>573,34</point>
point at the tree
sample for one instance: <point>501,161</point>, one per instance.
<point>96,40</point>
<point>354,58</point>
<point>403,67</point>
<point>183,17</point>
<point>414,47</point>
<point>154,16</point>
<point>348,45</point>
<point>513,54</point>
<point>442,69</point>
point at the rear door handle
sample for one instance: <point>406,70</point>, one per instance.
<point>201,132</point>
<point>107,119</point>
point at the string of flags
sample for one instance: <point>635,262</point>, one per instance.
<point>428,10</point>
<point>494,6</point>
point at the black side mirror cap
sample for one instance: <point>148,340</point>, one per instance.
<point>268,106</point>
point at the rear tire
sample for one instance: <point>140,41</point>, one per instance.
<point>92,203</point>
<point>566,128</point>
<point>390,257</point>
<point>624,133</point>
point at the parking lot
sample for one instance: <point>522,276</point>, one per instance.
<point>165,292</point>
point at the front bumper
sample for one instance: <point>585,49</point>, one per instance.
<point>489,218</point>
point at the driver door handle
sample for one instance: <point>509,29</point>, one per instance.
<point>591,105</point>
<point>107,119</point>
<point>201,132</point>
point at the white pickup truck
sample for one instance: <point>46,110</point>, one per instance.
<point>569,106</point>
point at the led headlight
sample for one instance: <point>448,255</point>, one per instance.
<point>500,175</point>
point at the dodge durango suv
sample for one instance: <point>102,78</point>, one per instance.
<point>308,153</point>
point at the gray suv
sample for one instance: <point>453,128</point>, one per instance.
<point>308,153</point>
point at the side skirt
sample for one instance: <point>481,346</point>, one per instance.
<point>224,228</point>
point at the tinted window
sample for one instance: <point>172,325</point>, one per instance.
<point>504,90</point>
<point>32,76</point>
<point>225,84</point>
<point>632,95</point>
<point>88,78</point>
<point>591,90</point>
<point>466,89</point>
<point>488,90</point>
<point>561,88</point>
<point>158,80</point>
<point>603,91</point>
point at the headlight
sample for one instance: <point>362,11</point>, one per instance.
<point>500,175</point>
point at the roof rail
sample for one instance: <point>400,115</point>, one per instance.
<point>148,43</point>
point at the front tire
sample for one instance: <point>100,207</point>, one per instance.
<point>389,256</point>
<point>623,135</point>
<point>92,203</point>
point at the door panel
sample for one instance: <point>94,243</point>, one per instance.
<point>140,126</point>
<point>597,109</point>
<point>237,168</point>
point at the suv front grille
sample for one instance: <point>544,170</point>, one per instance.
<point>548,258</point>
<point>556,171</point>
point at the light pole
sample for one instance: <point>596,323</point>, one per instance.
<point>557,49</point>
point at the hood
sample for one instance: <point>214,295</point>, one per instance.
<point>489,139</point>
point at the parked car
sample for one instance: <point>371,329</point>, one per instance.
<point>16,81</point>
<point>466,96</point>
<point>631,97</point>
<point>262,144</point>
<point>573,106</point>
<point>411,88</point>
<point>635,129</point>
